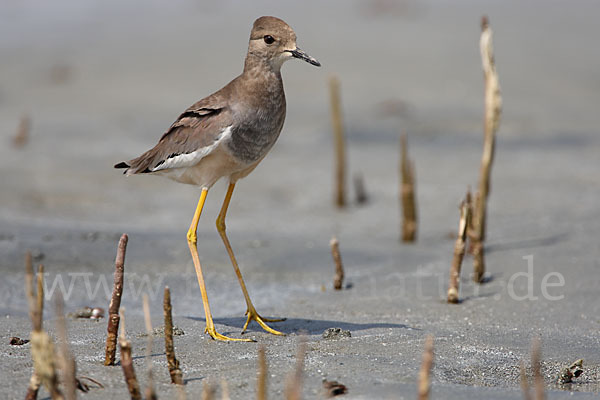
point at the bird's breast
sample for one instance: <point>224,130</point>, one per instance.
<point>255,133</point>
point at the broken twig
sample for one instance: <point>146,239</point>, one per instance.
<point>261,380</point>
<point>66,359</point>
<point>115,303</point>
<point>339,142</point>
<point>493,107</point>
<point>407,193</point>
<point>524,382</point>
<point>173,363</point>
<point>36,322</point>
<point>293,387</point>
<point>42,348</point>
<point>127,362</point>
<point>424,380</point>
<point>150,392</point>
<point>536,366</point>
<point>459,252</point>
<point>338,279</point>
<point>208,391</point>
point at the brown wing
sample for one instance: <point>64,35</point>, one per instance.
<point>197,128</point>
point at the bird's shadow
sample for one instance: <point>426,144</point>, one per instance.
<point>302,325</point>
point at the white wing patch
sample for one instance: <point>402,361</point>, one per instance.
<point>191,159</point>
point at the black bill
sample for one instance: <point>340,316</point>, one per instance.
<point>303,56</point>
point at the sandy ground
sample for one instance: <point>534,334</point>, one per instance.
<point>102,81</point>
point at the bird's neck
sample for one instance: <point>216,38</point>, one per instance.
<point>259,65</point>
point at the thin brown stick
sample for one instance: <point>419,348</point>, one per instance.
<point>208,391</point>
<point>181,395</point>
<point>338,279</point>
<point>339,142</point>
<point>524,382</point>
<point>42,348</point>
<point>66,359</point>
<point>469,201</point>
<point>127,362</point>
<point>34,315</point>
<point>459,252</point>
<point>293,387</point>
<point>150,393</point>
<point>44,362</point>
<point>536,361</point>
<point>424,380</point>
<point>39,308</point>
<point>224,390</point>
<point>359,189</point>
<point>33,387</point>
<point>22,136</point>
<point>173,363</point>
<point>261,383</point>
<point>115,303</point>
<point>407,193</point>
<point>492,110</point>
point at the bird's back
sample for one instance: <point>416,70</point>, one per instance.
<point>229,120</point>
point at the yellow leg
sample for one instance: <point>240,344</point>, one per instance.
<point>251,311</point>
<point>192,240</point>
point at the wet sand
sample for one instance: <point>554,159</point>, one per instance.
<point>102,82</point>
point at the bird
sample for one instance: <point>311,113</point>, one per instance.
<point>226,135</point>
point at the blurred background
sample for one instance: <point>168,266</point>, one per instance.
<point>101,81</point>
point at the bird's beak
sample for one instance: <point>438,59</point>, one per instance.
<point>297,53</point>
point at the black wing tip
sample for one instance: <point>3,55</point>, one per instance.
<point>122,164</point>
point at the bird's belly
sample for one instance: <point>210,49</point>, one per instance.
<point>209,170</point>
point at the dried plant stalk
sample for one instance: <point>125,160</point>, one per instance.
<point>492,110</point>
<point>127,363</point>
<point>293,387</point>
<point>424,380</point>
<point>115,303</point>
<point>459,251</point>
<point>42,348</point>
<point>33,388</point>
<point>536,361</point>
<point>22,136</point>
<point>36,321</point>
<point>66,359</point>
<point>524,382</point>
<point>208,391</point>
<point>338,279</point>
<point>44,362</point>
<point>224,390</point>
<point>173,363</point>
<point>339,142</point>
<point>407,193</point>
<point>261,384</point>
<point>150,393</point>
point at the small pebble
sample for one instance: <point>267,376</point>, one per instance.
<point>17,341</point>
<point>334,388</point>
<point>160,331</point>
<point>336,333</point>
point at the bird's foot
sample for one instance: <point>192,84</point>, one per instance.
<point>252,315</point>
<point>217,336</point>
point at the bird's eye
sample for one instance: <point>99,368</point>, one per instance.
<point>268,39</point>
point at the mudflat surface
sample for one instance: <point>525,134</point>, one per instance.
<point>101,82</point>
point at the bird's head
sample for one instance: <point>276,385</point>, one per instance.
<point>273,41</point>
